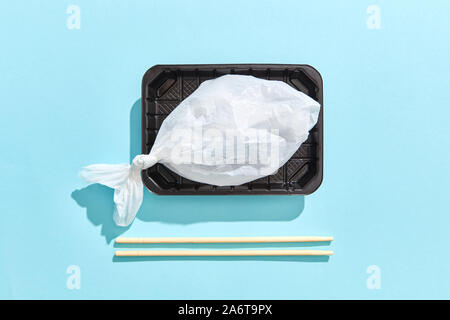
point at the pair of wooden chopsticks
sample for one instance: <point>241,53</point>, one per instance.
<point>212,253</point>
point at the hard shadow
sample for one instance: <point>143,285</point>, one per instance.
<point>99,204</point>
<point>135,130</point>
<point>251,258</point>
<point>193,209</point>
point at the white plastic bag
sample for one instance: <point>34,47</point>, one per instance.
<point>231,130</point>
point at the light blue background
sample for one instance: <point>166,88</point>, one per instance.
<point>71,97</point>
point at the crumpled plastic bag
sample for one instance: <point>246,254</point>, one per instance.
<point>231,130</point>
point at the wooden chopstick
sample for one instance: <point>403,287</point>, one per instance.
<point>225,239</point>
<point>215,253</point>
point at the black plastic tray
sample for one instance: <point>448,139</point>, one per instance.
<point>165,86</point>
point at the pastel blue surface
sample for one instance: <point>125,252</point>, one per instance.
<point>71,98</point>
